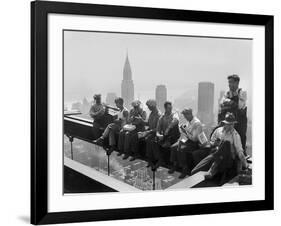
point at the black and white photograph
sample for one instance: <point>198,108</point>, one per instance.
<point>147,112</point>
<point>142,112</point>
<point>121,112</point>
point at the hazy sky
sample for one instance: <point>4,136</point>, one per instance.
<point>93,63</point>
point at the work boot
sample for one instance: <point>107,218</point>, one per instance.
<point>126,156</point>
<point>132,158</point>
<point>172,170</point>
<point>184,173</point>
<point>158,164</point>
<point>99,141</point>
<point>109,150</point>
<point>149,164</point>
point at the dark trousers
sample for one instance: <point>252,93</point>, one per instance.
<point>97,130</point>
<point>222,157</point>
<point>111,131</point>
<point>241,128</point>
<point>151,152</point>
<point>128,142</point>
<point>181,154</point>
<point>200,154</point>
<point>155,151</point>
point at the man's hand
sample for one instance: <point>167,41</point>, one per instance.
<point>160,136</point>
<point>183,130</point>
<point>217,142</point>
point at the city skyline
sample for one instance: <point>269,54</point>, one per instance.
<point>178,62</point>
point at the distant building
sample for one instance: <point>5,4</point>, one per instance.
<point>161,96</point>
<point>206,102</point>
<point>110,99</point>
<point>76,106</point>
<point>85,108</point>
<point>158,184</point>
<point>141,179</point>
<point>127,86</point>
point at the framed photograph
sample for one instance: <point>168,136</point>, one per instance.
<point>145,112</point>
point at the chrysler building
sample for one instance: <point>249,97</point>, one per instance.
<point>127,86</point>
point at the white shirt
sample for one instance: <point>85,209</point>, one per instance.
<point>120,116</point>
<point>232,136</point>
<point>193,128</point>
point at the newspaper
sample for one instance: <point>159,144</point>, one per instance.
<point>202,138</point>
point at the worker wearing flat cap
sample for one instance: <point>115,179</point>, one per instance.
<point>234,101</point>
<point>97,112</point>
<point>112,130</point>
<point>227,157</point>
<point>188,142</point>
<point>150,134</point>
<point>127,138</point>
<point>167,133</point>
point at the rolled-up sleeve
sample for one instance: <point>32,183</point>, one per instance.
<point>237,143</point>
<point>224,97</point>
<point>242,99</point>
<point>215,136</point>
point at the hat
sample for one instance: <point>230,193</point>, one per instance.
<point>186,111</point>
<point>97,96</point>
<point>136,103</point>
<point>229,118</point>
<point>151,103</point>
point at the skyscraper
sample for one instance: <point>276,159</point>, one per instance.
<point>127,86</point>
<point>141,178</point>
<point>161,96</point>
<point>110,99</point>
<point>85,106</point>
<point>158,184</point>
<point>206,102</point>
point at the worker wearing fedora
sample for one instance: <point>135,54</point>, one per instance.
<point>228,152</point>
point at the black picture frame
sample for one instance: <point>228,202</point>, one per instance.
<point>39,111</point>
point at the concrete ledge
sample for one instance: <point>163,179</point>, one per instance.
<point>189,182</point>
